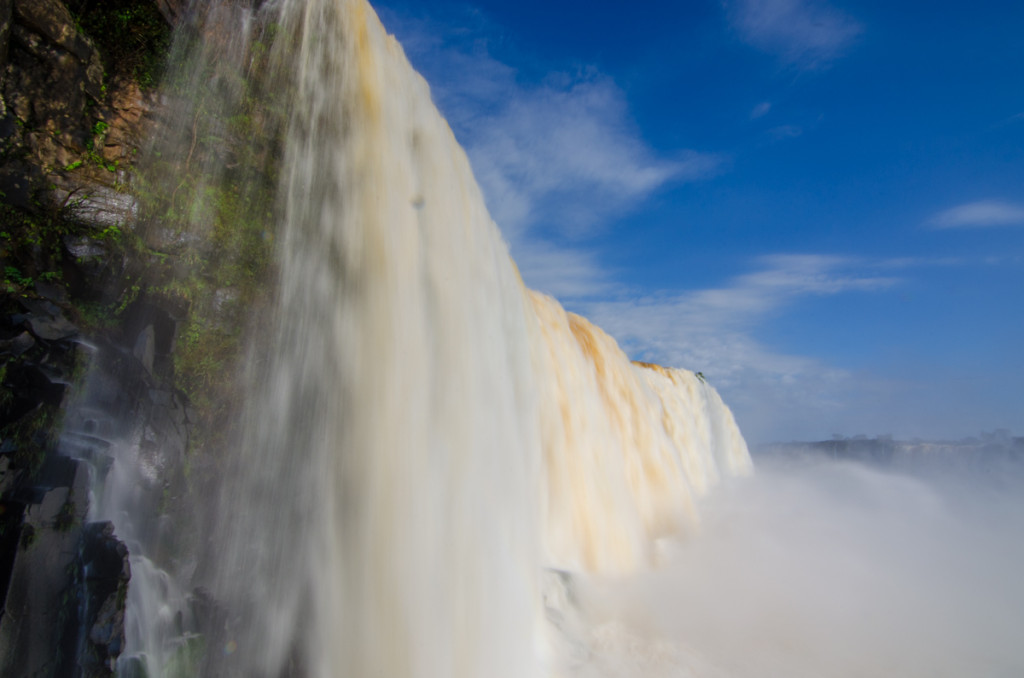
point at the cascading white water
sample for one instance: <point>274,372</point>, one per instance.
<point>130,466</point>
<point>627,446</point>
<point>384,501</point>
<point>422,435</point>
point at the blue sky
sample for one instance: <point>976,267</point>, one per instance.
<point>820,205</point>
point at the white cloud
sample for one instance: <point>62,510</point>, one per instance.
<point>568,157</point>
<point>980,214</point>
<point>749,297</point>
<point>560,157</point>
<point>760,110</point>
<point>561,272</point>
<point>561,150</point>
<point>712,331</point>
<point>557,157</point>
<point>803,33</point>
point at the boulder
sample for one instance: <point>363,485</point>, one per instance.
<point>106,572</point>
<point>47,321</point>
<point>38,629</point>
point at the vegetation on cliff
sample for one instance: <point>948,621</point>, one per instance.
<point>79,212</point>
<point>157,261</point>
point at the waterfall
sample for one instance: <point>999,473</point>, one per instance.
<point>422,439</point>
<point>627,447</point>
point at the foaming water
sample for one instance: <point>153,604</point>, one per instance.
<point>381,520</point>
<point>425,435</point>
<point>627,446</point>
<point>425,443</point>
<point>130,469</point>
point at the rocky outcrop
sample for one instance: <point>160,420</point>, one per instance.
<point>74,113</point>
<point>38,626</point>
<point>43,493</point>
<point>104,572</point>
<point>119,324</point>
<point>62,585</point>
<point>69,130</point>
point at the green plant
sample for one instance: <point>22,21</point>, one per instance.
<point>132,36</point>
<point>95,316</point>
<point>93,156</point>
<point>112,233</point>
<point>127,298</point>
<point>12,276</point>
<point>33,244</point>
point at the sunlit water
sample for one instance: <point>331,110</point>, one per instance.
<point>426,436</point>
<point>443,474</point>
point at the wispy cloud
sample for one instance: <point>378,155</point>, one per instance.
<point>654,325</point>
<point>980,214</point>
<point>785,132</point>
<point>803,33</point>
<point>567,157</point>
<point>557,155</point>
<point>565,273</point>
<point>713,331</point>
<point>760,110</point>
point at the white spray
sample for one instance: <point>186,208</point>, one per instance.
<point>424,436</point>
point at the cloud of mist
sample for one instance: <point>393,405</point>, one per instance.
<point>831,570</point>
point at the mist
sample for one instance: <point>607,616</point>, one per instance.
<point>823,567</point>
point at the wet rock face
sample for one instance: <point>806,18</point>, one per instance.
<point>38,626</point>
<point>47,55</point>
<point>73,116</point>
<point>52,52</point>
<point>43,495</point>
<point>68,130</point>
<point>63,582</point>
<point>37,362</point>
<point>105,571</point>
<point>172,10</point>
<point>5,30</point>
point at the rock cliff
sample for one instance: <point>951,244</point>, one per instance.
<point>77,102</point>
